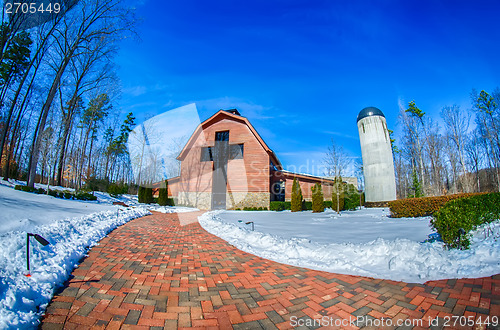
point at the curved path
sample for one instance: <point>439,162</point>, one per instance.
<point>154,273</point>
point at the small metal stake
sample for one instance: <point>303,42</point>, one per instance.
<point>250,222</point>
<point>40,240</point>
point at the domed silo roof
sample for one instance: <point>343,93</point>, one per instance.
<point>369,111</point>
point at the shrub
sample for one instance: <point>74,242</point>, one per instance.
<point>422,206</point>
<point>296,196</point>
<point>148,195</point>
<point>317,198</point>
<point>252,208</point>
<point>351,201</point>
<point>307,205</point>
<point>163,195</point>
<point>140,194</point>
<point>466,213</point>
<point>277,206</point>
<point>115,189</point>
<point>94,184</point>
<point>340,206</point>
<point>85,196</point>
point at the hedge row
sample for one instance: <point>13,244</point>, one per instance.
<point>422,206</point>
<point>65,194</point>
<point>306,205</point>
<point>466,214</point>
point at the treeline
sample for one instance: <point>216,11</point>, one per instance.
<point>58,84</point>
<point>458,153</point>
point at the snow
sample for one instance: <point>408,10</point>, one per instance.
<point>26,210</point>
<point>365,242</point>
<point>71,227</point>
<point>364,225</point>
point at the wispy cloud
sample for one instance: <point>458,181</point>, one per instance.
<point>135,90</point>
<point>347,136</point>
<point>247,109</point>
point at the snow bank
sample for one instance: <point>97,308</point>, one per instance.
<point>399,259</point>
<point>22,210</point>
<point>23,299</point>
<point>172,209</point>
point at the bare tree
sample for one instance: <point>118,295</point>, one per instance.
<point>336,162</point>
<point>90,20</point>
<point>457,124</point>
<point>487,111</point>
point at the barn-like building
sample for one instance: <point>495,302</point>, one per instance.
<point>227,165</point>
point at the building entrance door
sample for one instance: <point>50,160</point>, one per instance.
<point>219,176</point>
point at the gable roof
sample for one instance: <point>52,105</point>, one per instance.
<point>234,116</point>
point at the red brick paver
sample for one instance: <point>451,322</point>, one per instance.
<point>152,273</point>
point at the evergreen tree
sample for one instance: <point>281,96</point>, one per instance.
<point>140,194</point>
<point>317,198</point>
<point>416,186</point>
<point>148,195</point>
<point>163,195</point>
<point>296,204</point>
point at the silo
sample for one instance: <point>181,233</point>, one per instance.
<point>376,151</point>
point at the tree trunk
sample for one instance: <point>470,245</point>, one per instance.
<point>37,137</point>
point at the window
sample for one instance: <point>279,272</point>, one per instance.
<point>206,154</point>
<point>222,136</point>
<point>236,151</point>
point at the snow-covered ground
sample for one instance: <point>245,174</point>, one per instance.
<point>325,227</point>
<point>365,242</point>
<point>71,227</point>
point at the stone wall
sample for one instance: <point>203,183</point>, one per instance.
<point>240,200</point>
<point>201,200</point>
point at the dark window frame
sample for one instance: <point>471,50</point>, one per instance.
<point>206,154</point>
<point>222,136</point>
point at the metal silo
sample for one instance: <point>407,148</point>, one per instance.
<point>376,151</point>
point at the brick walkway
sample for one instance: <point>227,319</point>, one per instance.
<point>154,273</point>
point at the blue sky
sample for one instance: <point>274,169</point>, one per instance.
<point>302,70</point>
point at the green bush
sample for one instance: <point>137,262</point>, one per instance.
<point>422,206</point>
<point>296,204</point>
<point>351,201</point>
<point>247,208</point>
<point>317,198</point>
<point>115,189</point>
<point>163,195</point>
<point>340,202</point>
<point>307,205</point>
<point>148,195</point>
<point>277,206</point>
<point>94,184</point>
<point>85,196</point>
<point>466,213</point>
<point>140,194</point>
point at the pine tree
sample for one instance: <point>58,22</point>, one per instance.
<point>163,195</point>
<point>148,195</point>
<point>416,186</point>
<point>296,204</point>
<point>140,194</point>
<point>317,198</point>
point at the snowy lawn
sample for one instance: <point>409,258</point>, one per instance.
<point>365,242</point>
<point>70,226</point>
